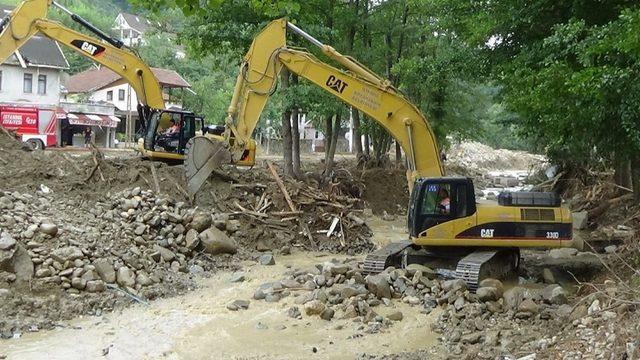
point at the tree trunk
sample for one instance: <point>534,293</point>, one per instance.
<point>622,174</point>
<point>357,137</point>
<point>286,130</point>
<point>333,144</point>
<point>328,130</point>
<point>295,134</point>
<point>398,155</point>
<point>635,176</point>
<point>367,145</point>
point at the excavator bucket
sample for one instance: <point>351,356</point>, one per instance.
<point>203,155</point>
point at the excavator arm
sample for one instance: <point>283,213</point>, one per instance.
<point>356,86</point>
<point>29,19</point>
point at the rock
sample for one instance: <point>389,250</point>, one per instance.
<point>217,242</point>
<point>20,264</point>
<point>285,250</point>
<point>232,225</point>
<point>610,249</point>
<point>267,259</point>
<point>549,276</point>
<point>44,272</point>
<point>514,296</point>
<point>191,239</point>
<point>594,308</point>
<point>201,222</point>
<point>459,303</point>
<point>562,253</point>
<point>320,280</point>
<point>454,285</point>
<point>125,277</point>
<point>166,254</point>
<point>6,241</point>
<point>494,283</point>
<point>49,229</point>
<point>580,220</point>
<point>238,304</point>
<point>378,285</point>
<point>237,278</point>
<point>339,269</point>
<point>65,254</point>
<point>95,286</point>
<point>528,306</point>
<point>348,291</point>
<point>395,316</point>
<point>105,270</point>
<point>78,283</point>
<point>554,294</point>
<point>426,271</point>
<point>140,229</point>
<point>294,312</point>
<point>272,298</point>
<point>488,293</point>
<point>90,275</point>
<point>327,314</point>
<point>472,338</point>
<point>314,307</point>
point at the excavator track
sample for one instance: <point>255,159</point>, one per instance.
<point>472,268</point>
<point>483,264</point>
<point>384,257</point>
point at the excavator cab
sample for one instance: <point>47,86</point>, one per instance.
<point>168,132</point>
<point>438,200</point>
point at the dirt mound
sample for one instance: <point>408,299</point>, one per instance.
<point>478,157</point>
<point>385,190</point>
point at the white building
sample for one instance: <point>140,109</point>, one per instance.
<point>131,28</point>
<point>31,76</point>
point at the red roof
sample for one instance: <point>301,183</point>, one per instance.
<point>96,79</point>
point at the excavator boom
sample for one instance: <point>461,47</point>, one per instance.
<point>357,86</point>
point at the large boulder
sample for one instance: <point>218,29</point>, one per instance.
<point>20,264</point>
<point>488,293</point>
<point>378,285</point>
<point>216,242</point>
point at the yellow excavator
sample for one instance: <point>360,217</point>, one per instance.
<point>447,225</point>
<point>29,18</point>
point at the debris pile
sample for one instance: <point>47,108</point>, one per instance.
<point>134,242</point>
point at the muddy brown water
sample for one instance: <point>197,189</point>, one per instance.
<point>197,325</point>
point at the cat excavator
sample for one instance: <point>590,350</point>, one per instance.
<point>29,19</point>
<point>450,231</point>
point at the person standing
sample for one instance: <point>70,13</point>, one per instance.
<point>87,136</point>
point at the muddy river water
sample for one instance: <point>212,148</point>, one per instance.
<point>197,325</point>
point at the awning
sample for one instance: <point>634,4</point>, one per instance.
<point>60,113</point>
<point>93,120</point>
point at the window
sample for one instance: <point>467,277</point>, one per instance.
<point>315,135</point>
<point>121,94</point>
<point>436,200</point>
<point>27,85</point>
<point>110,95</point>
<point>42,84</point>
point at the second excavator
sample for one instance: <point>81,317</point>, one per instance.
<point>29,18</point>
<point>449,230</point>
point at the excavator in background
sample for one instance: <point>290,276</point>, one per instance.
<point>29,18</point>
<point>450,230</point>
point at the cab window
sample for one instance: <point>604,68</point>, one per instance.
<point>436,200</point>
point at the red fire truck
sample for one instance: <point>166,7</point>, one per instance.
<point>36,126</point>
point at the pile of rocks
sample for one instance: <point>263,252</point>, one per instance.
<point>131,241</point>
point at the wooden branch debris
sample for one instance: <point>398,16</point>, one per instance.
<point>278,180</point>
